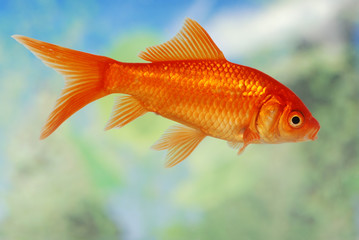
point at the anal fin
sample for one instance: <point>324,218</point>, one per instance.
<point>125,110</point>
<point>180,142</point>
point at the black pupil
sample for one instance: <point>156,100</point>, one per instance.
<point>295,120</point>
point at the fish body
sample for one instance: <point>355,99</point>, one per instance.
<point>217,97</point>
<point>187,80</point>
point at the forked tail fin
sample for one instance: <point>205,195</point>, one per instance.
<point>84,74</point>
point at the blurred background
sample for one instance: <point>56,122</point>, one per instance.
<point>84,183</point>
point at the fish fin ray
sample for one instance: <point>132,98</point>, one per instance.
<point>241,149</point>
<point>126,109</point>
<point>180,141</point>
<point>235,145</point>
<point>84,78</point>
<point>192,42</point>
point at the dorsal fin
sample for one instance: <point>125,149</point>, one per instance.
<point>192,42</point>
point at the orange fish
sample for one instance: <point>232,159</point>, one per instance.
<point>187,80</point>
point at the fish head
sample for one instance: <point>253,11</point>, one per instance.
<point>281,121</point>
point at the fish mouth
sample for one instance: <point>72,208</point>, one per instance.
<point>313,134</point>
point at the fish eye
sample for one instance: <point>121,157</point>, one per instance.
<point>296,119</point>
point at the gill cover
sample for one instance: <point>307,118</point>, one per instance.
<point>268,119</point>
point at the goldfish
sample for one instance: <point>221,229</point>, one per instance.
<point>188,80</point>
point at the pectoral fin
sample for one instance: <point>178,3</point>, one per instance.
<point>180,142</point>
<point>248,137</point>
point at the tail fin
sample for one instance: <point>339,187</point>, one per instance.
<point>84,74</point>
